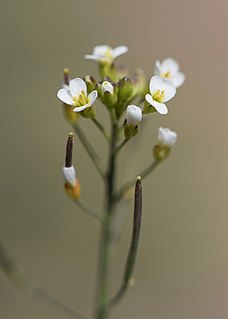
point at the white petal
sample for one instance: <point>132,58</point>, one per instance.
<point>178,79</point>
<point>133,115</point>
<point>101,50</point>
<point>107,86</point>
<point>76,86</point>
<point>160,107</point>
<point>65,96</point>
<point>69,175</point>
<point>166,136</point>
<point>78,109</point>
<point>170,91</point>
<point>92,97</point>
<point>92,57</point>
<point>169,65</point>
<point>156,83</point>
<point>119,51</point>
<point>157,68</point>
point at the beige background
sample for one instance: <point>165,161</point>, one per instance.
<point>183,262</point>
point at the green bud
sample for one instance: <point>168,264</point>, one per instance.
<point>161,152</point>
<point>139,83</point>
<point>130,130</point>
<point>90,83</point>
<point>108,93</point>
<point>125,88</point>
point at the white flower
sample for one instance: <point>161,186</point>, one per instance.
<point>161,91</point>
<point>69,175</point>
<point>104,53</point>
<point>133,115</point>
<point>166,137</point>
<point>107,87</point>
<point>76,95</point>
<point>169,69</point>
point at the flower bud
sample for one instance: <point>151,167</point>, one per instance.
<point>90,83</point>
<point>166,139</point>
<point>125,88</point>
<point>139,83</point>
<point>133,118</point>
<point>108,93</point>
<point>133,115</point>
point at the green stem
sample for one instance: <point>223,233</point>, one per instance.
<point>101,128</point>
<point>107,234</point>
<point>149,169</point>
<point>119,147</point>
<point>90,210</point>
<point>90,150</point>
<point>30,288</point>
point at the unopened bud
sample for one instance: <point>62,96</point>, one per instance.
<point>90,83</point>
<point>133,118</point>
<point>166,139</point>
<point>125,88</point>
<point>133,115</point>
<point>108,93</point>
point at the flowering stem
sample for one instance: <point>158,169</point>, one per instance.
<point>149,169</point>
<point>30,288</point>
<point>134,244</point>
<point>101,128</point>
<point>107,234</point>
<point>90,150</point>
<point>90,210</point>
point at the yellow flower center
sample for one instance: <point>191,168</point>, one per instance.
<point>81,100</point>
<point>108,54</point>
<point>159,95</point>
<point>166,75</point>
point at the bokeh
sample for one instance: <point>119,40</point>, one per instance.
<point>182,268</point>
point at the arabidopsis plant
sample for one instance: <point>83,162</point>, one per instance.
<point>166,137</point>
<point>76,95</point>
<point>169,69</point>
<point>106,54</point>
<point>161,91</point>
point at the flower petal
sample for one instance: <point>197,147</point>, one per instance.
<point>160,107</point>
<point>169,65</point>
<point>119,51</point>
<point>92,57</point>
<point>65,96</point>
<point>157,67</point>
<point>76,86</point>
<point>156,83</point>
<point>178,79</point>
<point>80,108</point>
<point>92,97</point>
<point>170,91</point>
<point>101,50</point>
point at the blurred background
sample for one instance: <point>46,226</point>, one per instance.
<point>183,261</point>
